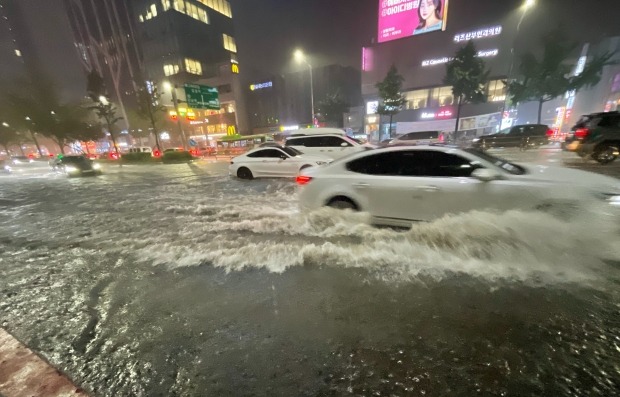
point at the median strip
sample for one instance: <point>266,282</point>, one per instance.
<point>24,374</point>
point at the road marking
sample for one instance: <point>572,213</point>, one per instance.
<point>24,374</point>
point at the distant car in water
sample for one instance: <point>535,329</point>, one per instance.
<point>18,160</point>
<point>418,138</point>
<point>73,166</point>
<point>597,136</point>
<point>5,168</point>
<point>276,161</point>
<point>520,136</point>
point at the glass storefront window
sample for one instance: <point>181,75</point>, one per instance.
<point>417,99</point>
<point>442,96</point>
<point>497,91</point>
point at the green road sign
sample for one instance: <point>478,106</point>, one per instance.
<point>202,97</point>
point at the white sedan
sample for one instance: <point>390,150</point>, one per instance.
<point>275,161</point>
<point>404,184</point>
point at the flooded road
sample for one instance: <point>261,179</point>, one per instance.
<point>178,281</point>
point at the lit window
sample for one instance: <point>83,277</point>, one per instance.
<point>179,5</point>
<point>191,10</point>
<point>165,4</point>
<point>229,43</point>
<point>169,70</point>
<point>497,91</point>
<point>141,18</point>
<point>18,53</point>
<point>442,96</point>
<point>154,10</point>
<point>417,99</point>
<point>221,6</point>
<point>192,66</point>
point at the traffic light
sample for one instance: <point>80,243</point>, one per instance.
<point>173,115</point>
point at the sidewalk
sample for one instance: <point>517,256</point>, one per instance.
<point>24,374</point>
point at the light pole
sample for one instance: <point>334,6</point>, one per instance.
<point>525,7</point>
<point>300,57</point>
<point>175,102</point>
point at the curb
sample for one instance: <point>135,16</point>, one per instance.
<point>24,374</point>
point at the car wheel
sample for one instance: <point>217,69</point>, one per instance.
<point>244,173</point>
<point>605,153</point>
<point>342,203</point>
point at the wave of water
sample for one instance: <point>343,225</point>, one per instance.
<point>515,245</point>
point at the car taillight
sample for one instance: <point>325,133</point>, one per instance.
<point>441,138</point>
<point>582,133</point>
<point>550,133</point>
<point>303,180</point>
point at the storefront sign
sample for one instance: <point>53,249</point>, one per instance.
<point>371,107</point>
<point>260,86</point>
<point>478,34</point>
<point>289,128</point>
<point>440,61</point>
<point>441,114</point>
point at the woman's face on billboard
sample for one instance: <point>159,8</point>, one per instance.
<point>427,9</point>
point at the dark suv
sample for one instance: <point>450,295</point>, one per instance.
<point>596,135</point>
<point>522,136</point>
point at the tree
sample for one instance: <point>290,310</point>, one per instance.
<point>89,131</point>
<point>392,100</point>
<point>8,136</point>
<point>105,110</point>
<point>150,109</point>
<point>549,77</point>
<point>467,75</point>
<point>333,107</point>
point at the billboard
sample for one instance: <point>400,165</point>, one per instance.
<point>405,18</point>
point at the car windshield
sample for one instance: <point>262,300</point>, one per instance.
<point>355,140</point>
<point>505,165</point>
<point>290,151</point>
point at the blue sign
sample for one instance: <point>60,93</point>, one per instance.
<point>260,86</point>
<point>193,142</point>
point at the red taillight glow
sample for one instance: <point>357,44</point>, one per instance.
<point>441,138</point>
<point>582,133</point>
<point>550,133</point>
<point>303,180</point>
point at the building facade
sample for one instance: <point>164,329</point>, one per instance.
<point>192,41</point>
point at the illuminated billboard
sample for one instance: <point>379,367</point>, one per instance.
<point>404,18</point>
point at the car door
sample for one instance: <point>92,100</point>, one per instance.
<point>269,163</point>
<point>334,146</point>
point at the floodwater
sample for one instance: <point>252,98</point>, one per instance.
<point>178,281</point>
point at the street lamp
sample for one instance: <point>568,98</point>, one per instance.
<point>300,57</point>
<point>175,101</point>
<point>527,5</point>
<point>5,124</point>
<point>104,100</point>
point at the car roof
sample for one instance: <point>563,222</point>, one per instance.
<point>317,131</point>
<point>265,148</point>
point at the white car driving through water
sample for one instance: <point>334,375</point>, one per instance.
<point>273,161</point>
<point>400,185</point>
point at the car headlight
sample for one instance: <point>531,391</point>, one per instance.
<point>70,169</point>
<point>96,166</point>
<point>476,140</point>
<point>614,200</point>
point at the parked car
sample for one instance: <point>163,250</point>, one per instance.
<point>73,166</point>
<point>596,136</point>
<point>142,149</point>
<point>418,138</point>
<point>328,142</point>
<point>522,136</point>
<point>400,185</point>
<point>276,161</point>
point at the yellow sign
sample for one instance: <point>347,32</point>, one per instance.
<point>252,87</point>
<point>234,68</point>
<point>231,131</point>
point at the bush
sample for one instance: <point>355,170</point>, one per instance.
<point>177,157</point>
<point>137,158</point>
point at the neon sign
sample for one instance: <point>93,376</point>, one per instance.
<point>444,60</point>
<point>442,114</point>
<point>260,86</point>
<point>479,34</point>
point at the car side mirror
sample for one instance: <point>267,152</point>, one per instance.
<point>283,157</point>
<point>485,175</point>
